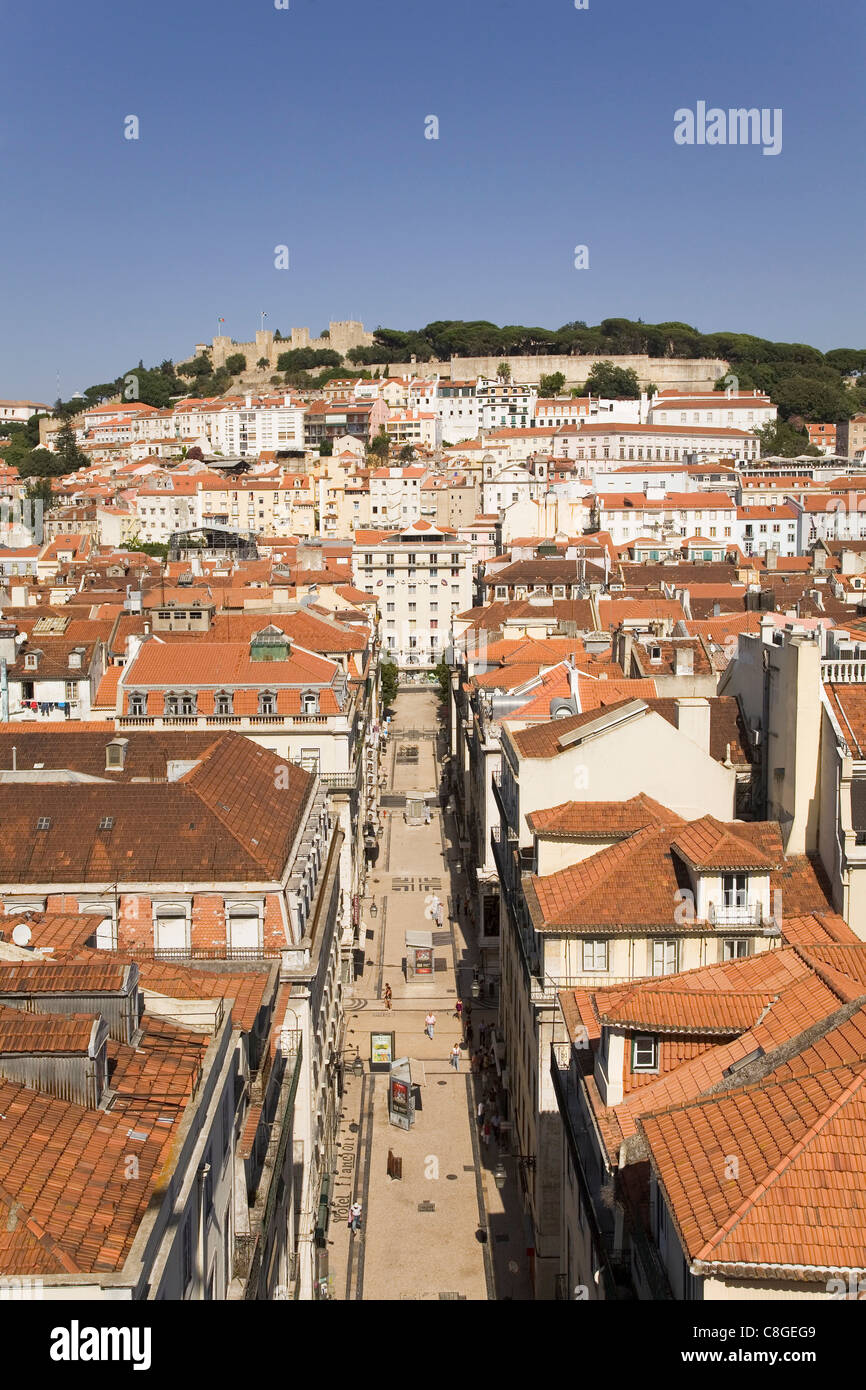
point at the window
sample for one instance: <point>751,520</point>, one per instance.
<point>137,704</point>
<point>244,927</point>
<point>170,927</point>
<point>186,1252</point>
<point>267,702</point>
<point>735,890</point>
<point>310,702</point>
<point>594,955</point>
<point>222,702</point>
<point>43,823</point>
<point>735,948</point>
<point>644,1053</point>
<point>664,957</point>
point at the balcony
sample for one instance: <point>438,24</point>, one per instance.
<point>735,914</point>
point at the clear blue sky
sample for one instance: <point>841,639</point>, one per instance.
<point>305,127</point>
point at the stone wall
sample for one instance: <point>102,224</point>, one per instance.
<point>678,373</point>
<point>344,335</point>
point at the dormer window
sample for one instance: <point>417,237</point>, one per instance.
<point>31,661</point>
<point>644,1052</point>
<point>655,655</point>
<point>222,702</point>
<point>115,753</point>
<point>267,702</point>
<point>180,705</point>
<point>310,702</point>
<point>75,661</point>
<point>138,704</point>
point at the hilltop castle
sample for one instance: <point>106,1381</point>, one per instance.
<point>341,337</point>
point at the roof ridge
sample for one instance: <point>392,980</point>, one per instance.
<point>825,1118</point>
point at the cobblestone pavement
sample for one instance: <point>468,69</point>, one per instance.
<point>442,1230</point>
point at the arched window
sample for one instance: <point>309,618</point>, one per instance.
<point>267,702</point>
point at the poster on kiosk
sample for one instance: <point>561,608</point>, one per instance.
<point>401,1095</point>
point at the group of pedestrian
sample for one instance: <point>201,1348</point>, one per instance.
<point>489,1119</point>
<point>482,1061</point>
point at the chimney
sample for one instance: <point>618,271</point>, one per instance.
<point>772,559</point>
<point>693,720</point>
<point>684,661</point>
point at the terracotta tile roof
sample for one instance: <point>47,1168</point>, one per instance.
<point>689,1011</point>
<point>600,819</point>
<point>52,931</point>
<point>848,703</point>
<point>80,746</point>
<point>222,664</point>
<point>23,1032</point>
<point>636,884</point>
<point>229,818</point>
<point>62,1167</point>
<point>709,844</point>
<point>792,1202</point>
<point>47,977</point>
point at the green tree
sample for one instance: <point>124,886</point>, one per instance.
<point>390,680</point>
<point>781,439</point>
<point>442,674</point>
<point>381,444</point>
<point>70,457</point>
<point>551,384</point>
<point>503,371</point>
<point>326,448</point>
<point>812,399</point>
<point>263,364</point>
<point>612,382</point>
<point>407,453</point>
<point>236,363</point>
<point>39,491</point>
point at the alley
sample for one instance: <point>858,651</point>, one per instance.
<point>441,1229</point>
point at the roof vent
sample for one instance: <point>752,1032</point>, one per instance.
<point>43,823</point>
<point>107,823</point>
<point>742,1062</point>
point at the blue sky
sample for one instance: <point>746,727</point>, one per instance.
<point>305,127</point>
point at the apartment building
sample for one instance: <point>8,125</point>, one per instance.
<point>664,443</point>
<point>165,503</point>
<point>704,1115</point>
<point>851,437</point>
<point>422,575</point>
<point>220,853</point>
<point>742,410</point>
<point>629,516</point>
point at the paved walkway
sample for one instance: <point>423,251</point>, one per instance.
<point>443,1229</point>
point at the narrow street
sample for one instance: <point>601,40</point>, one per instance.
<point>442,1229</point>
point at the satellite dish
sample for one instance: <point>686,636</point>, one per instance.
<point>21,934</point>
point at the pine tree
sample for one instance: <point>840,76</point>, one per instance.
<point>69,457</point>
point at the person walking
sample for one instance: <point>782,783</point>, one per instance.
<point>430,1024</point>
<point>468,1033</point>
<point>479,1113</point>
<point>485,1133</point>
<point>387,996</point>
<point>355,1217</point>
<point>495,1125</point>
<point>476,1063</point>
<point>458,1009</point>
<point>455,1056</point>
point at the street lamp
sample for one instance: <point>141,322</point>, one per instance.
<point>499,1175</point>
<point>374,911</point>
<point>475,989</point>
